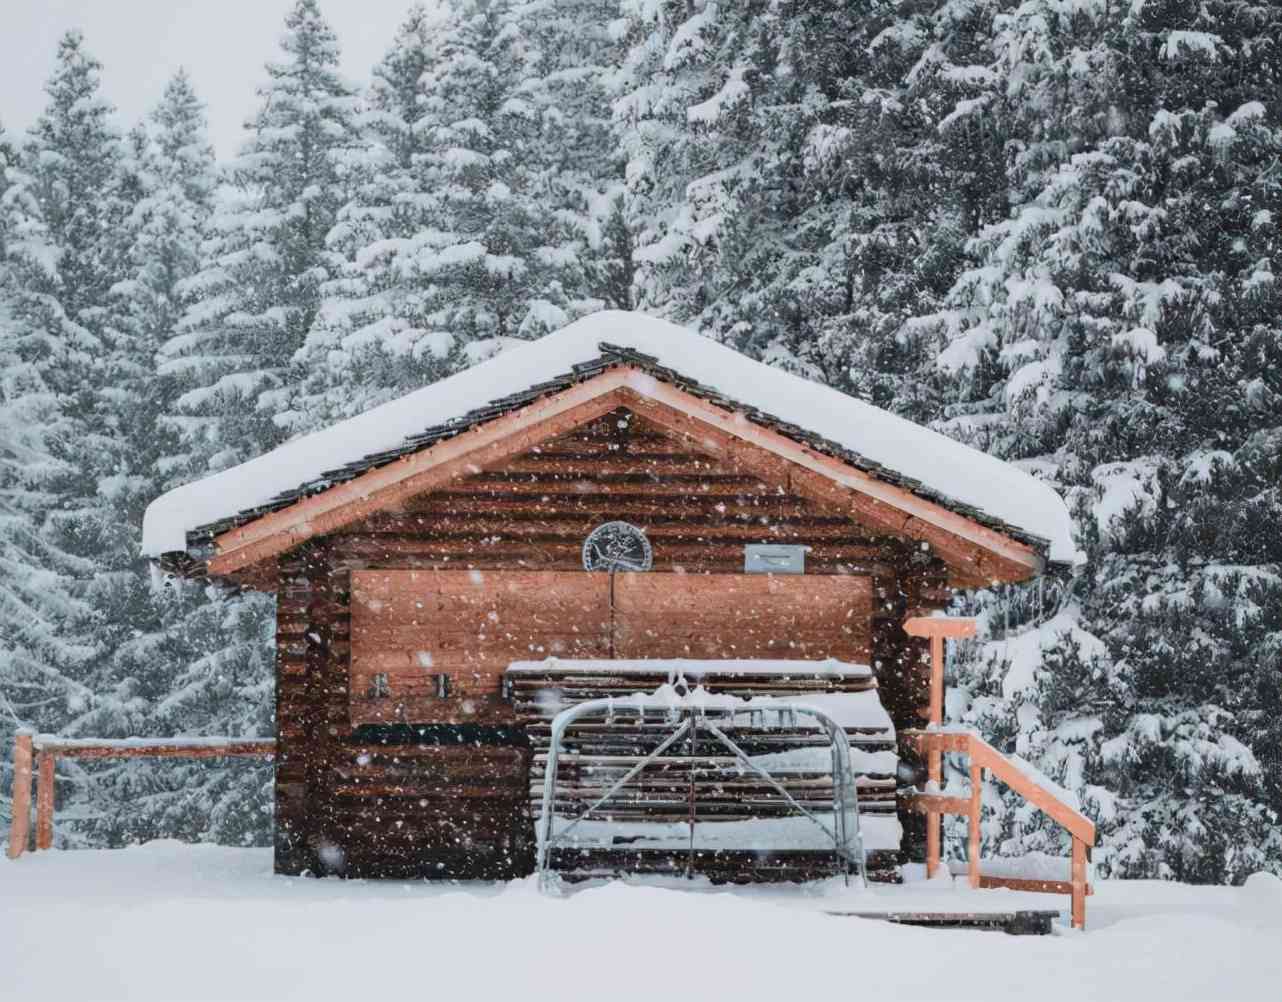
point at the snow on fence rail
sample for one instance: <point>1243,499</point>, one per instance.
<point>45,749</point>
<point>1030,784</point>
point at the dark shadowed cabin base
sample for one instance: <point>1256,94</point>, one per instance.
<point>436,802</point>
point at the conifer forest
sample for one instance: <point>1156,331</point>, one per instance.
<point>1049,229</point>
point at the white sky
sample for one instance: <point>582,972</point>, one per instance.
<point>222,43</point>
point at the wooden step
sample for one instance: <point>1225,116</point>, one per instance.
<point>1024,922</point>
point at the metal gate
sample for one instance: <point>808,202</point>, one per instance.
<point>689,714</point>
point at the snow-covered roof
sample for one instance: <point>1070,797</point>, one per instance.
<point>965,476</point>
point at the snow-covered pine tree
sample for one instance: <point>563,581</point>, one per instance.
<point>165,230</point>
<point>783,185</point>
<point>259,292</point>
<point>866,224</point>
<point>8,158</point>
<point>1119,333</point>
<point>680,108</point>
<point>9,717</point>
<point>59,437</point>
<point>372,340</point>
<point>571,51</point>
<point>457,234</point>
<point>194,660</point>
<point>496,269</point>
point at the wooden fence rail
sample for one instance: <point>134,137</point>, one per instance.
<point>985,758</point>
<point>43,750</point>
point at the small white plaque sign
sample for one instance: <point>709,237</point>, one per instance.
<point>774,558</point>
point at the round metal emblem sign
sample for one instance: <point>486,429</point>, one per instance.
<point>616,546</point>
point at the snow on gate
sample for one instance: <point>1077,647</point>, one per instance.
<point>738,770</point>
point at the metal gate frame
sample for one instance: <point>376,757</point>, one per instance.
<point>847,839</point>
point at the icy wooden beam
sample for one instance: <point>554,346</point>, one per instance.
<point>44,799</point>
<point>218,747</point>
<point>944,627</point>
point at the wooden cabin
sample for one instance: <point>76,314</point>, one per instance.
<point>454,566</point>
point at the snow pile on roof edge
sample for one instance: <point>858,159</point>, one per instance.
<point>955,470</point>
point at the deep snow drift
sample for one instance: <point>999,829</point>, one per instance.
<point>168,921</point>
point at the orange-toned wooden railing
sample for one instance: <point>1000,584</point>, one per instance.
<point>44,750</point>
<point>984,757</point>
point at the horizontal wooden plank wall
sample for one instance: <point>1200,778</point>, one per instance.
<point>409,626</point>
<point>807,617</point>
<point>338,774</point>
<point>303,611</point>
<point>535,512</point>
<point>697,511</point>
<point>380,801</point>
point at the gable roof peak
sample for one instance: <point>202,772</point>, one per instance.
<point>914,457</point>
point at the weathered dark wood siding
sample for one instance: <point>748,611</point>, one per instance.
<point>385,798</point>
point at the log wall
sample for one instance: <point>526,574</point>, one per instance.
<point>359,792</point>
<point>380,801</point>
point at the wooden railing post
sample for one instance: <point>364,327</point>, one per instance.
<point>935,758</point>
<point>976,803</point>
<point>936,628</point>
<point>1078,881</point>
<point>44,799</point>
<point>936,680</point>
<point>20,826</point>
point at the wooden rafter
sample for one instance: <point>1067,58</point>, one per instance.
<point>977,552</point>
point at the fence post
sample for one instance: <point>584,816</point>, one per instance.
<point>1079,883</point>
<point>935,757</point>
<point>976,790</point>
<point>20,826</point>
<point>44,799</point>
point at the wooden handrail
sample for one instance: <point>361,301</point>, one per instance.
<point>47,748</point>
<point>1076,823</point>
<point>984,756</point>
<point>154,747</point>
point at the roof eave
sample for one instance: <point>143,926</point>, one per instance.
<point>641,376</point>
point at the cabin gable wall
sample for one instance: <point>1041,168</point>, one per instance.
<point>360,796</point>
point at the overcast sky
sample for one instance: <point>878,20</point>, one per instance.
<point>222,43</point>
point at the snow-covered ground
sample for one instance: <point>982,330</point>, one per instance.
<point>170,921</point>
